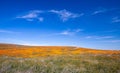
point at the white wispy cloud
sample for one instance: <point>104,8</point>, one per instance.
<point>78,30</point>
<point>40,19</point>
<point>70,32</point>
<point>99,37</point>
<point>98,12</point>
<point>32,15</point>
<point>35,15</point>
<point>21,42</point>
<point>65,15</point>
<point>104,10</point>
<point>66,32</point>
<point>113,41</point>
<point>110,31</point>
<point>115,19</point>
<point>7,31</point>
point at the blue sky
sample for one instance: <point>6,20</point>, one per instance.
<point>82,23</point>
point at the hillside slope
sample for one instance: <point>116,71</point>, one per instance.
<point>43,51</point>
<point>57,59</point>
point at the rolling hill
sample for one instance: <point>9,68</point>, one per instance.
<point>57,59</point>
<point>44,51</point>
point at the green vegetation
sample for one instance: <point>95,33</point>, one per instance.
<point>84,63</point>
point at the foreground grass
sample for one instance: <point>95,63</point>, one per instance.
<point>84,63</point>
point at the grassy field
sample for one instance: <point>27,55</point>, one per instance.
<point>57,60</point>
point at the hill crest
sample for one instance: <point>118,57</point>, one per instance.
<point>43,51</point>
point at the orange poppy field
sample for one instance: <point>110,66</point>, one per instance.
<point>44,51</point>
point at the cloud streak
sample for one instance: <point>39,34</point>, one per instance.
<point>32,15</point>
<point>7,31</point>
<point>65,15</point>
<point>99,37</point>
<point>21,42</point>
<point>103,10</point>
<point>98,12</point>
<point>116,20</point>
<point>70,32</point>
<point>113,41</point>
